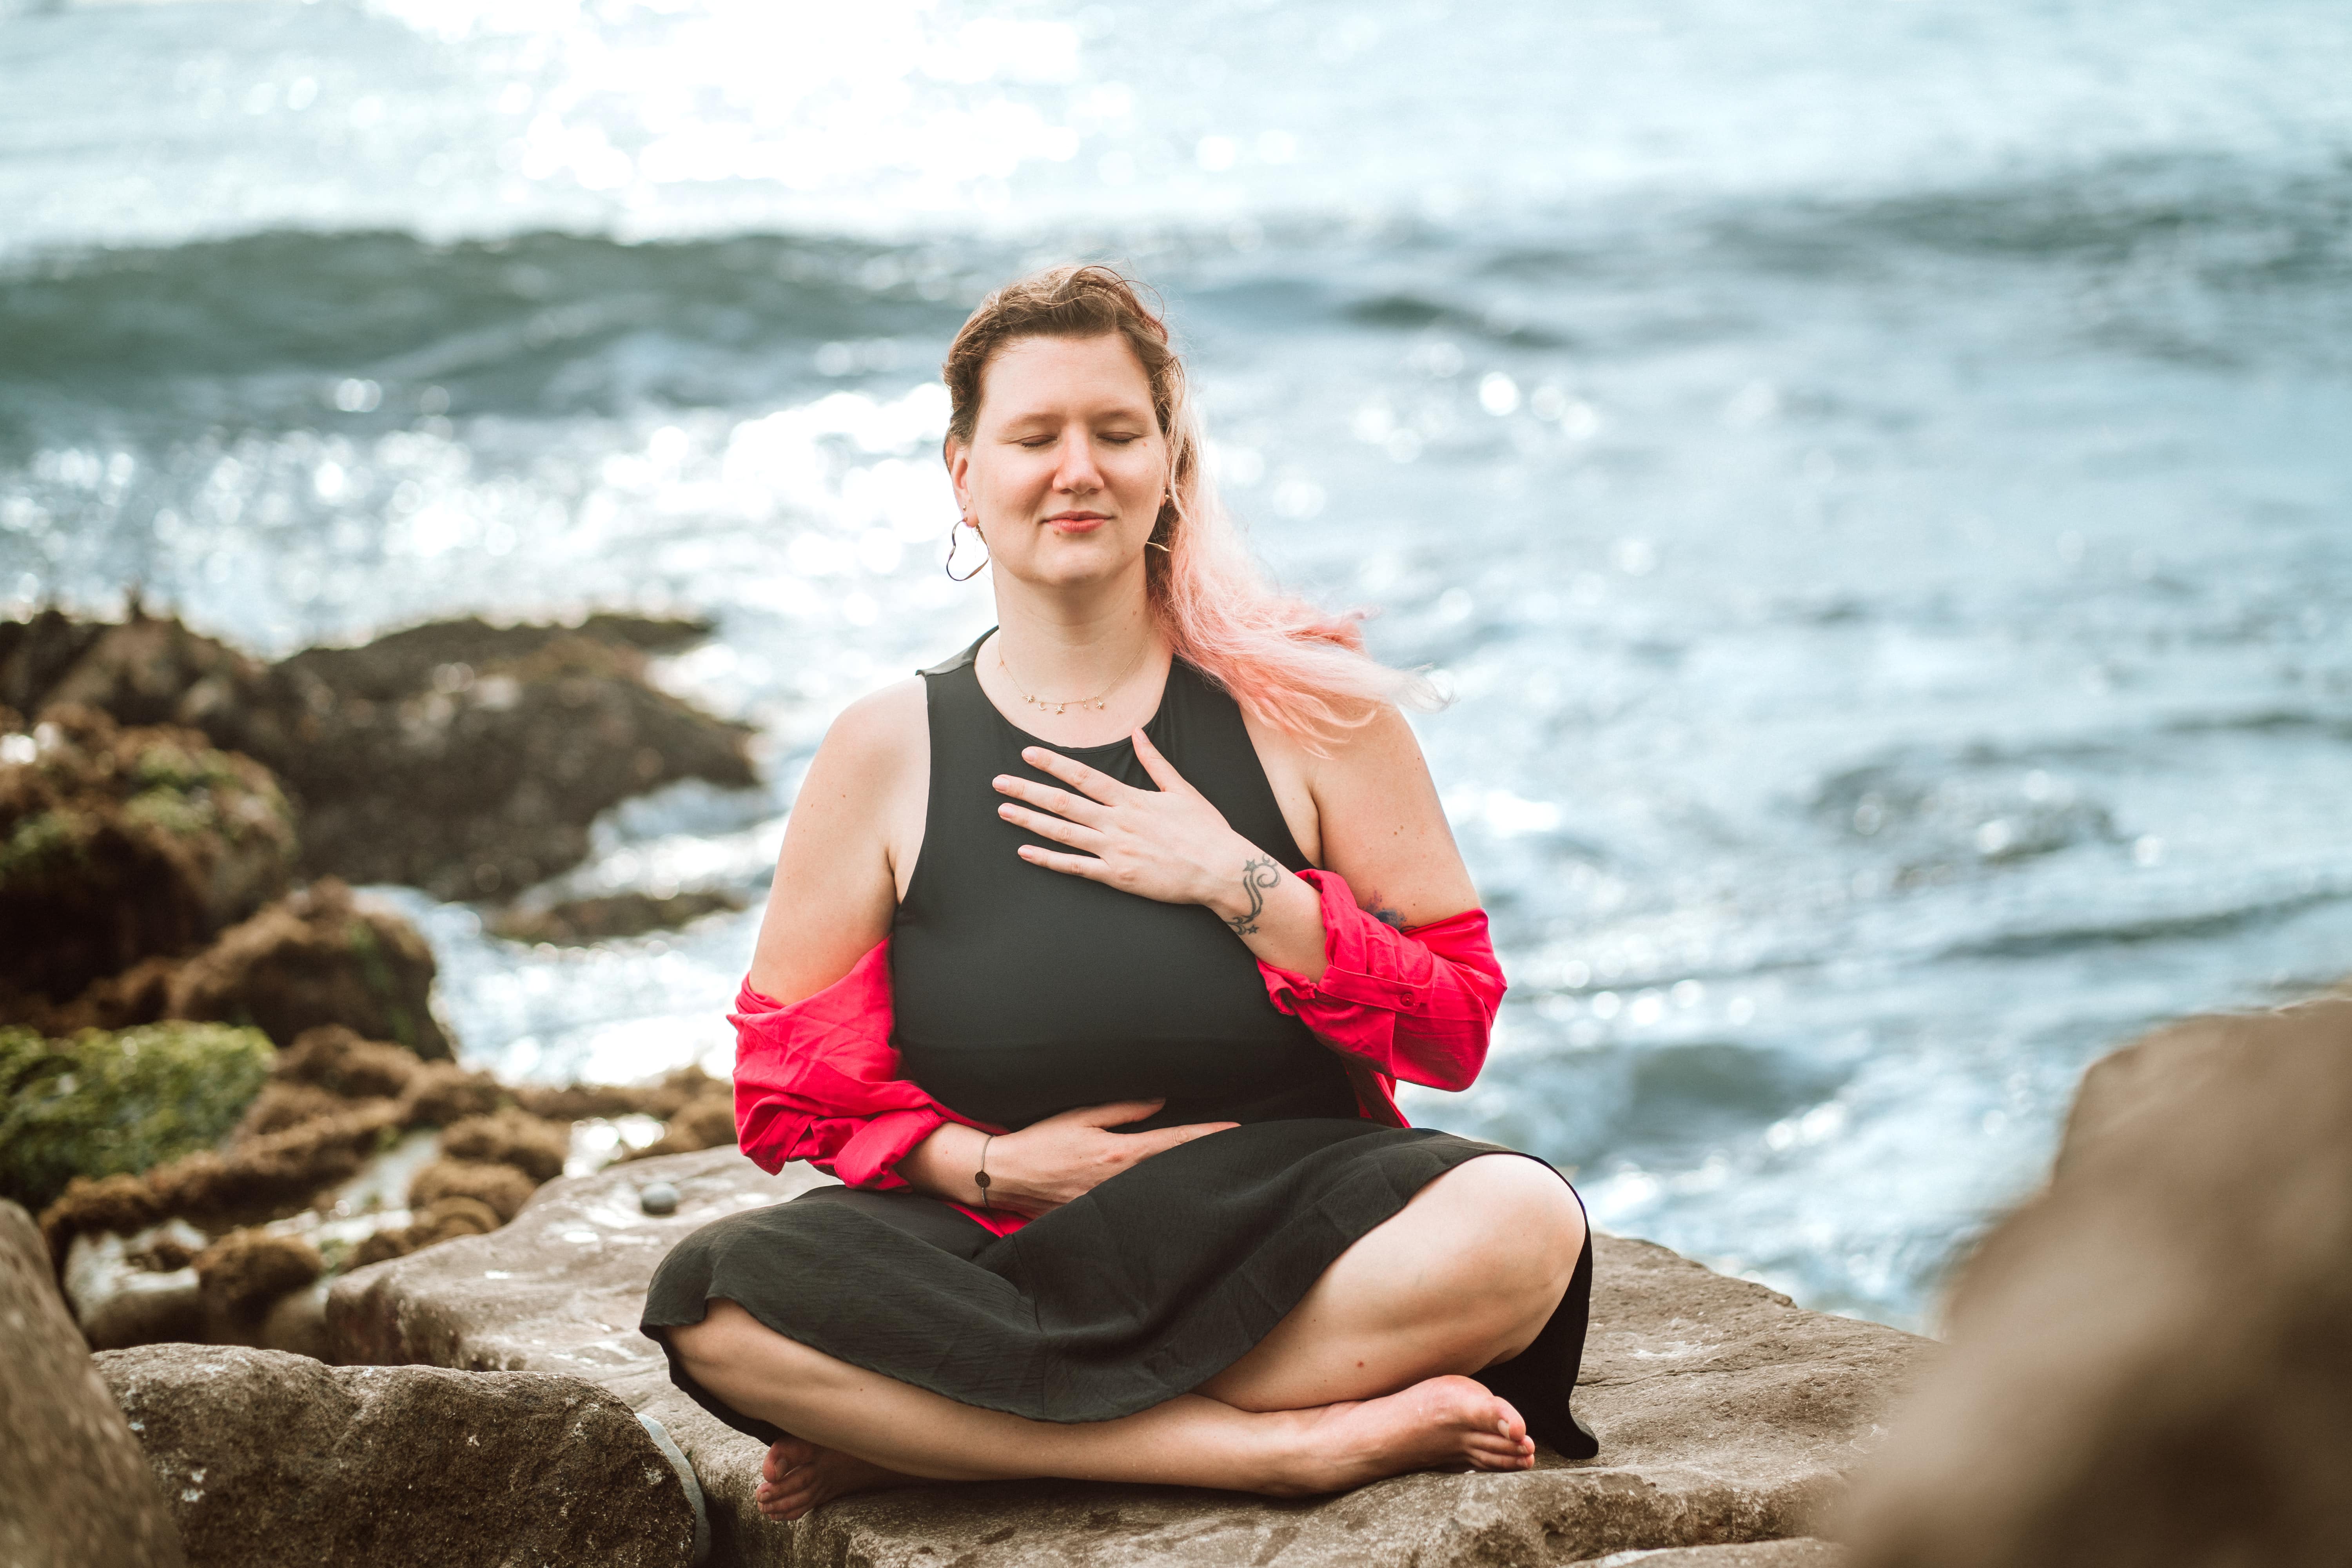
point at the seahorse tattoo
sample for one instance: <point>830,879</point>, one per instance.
<point>1259,875</point>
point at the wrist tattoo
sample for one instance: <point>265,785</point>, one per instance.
<point>1259,875</point>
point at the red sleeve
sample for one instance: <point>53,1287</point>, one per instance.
<point>1416,1005</point>
<point>818,1081</point>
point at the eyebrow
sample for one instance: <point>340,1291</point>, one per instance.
<point>1054,416</point>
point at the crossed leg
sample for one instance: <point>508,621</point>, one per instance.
<point>1364,1378</point>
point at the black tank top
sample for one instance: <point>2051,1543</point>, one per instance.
<point>1021,991</point>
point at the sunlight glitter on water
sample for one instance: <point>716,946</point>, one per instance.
<point>1871,477</point>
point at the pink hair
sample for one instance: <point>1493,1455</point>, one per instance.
<point>1296,667</point>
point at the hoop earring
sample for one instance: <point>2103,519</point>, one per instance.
<point>955,537</point>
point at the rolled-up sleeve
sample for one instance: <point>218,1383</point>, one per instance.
<point>1416,1005</point>
<point>818,1081</point>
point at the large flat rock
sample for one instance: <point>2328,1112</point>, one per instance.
<point>276,1459</point>
<point>1724,1414</point>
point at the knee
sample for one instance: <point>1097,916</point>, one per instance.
<point>714,1341</point>
<point>1518,1220</point>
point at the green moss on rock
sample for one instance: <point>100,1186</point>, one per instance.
<point>102,1104</point>
<point>121,845</point>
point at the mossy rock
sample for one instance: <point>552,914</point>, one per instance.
<point>123,845</point>
<point>102,1104</point>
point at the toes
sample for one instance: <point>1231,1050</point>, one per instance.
<point>1493,1454</point>
<point>784,1455</point>
<point>786,1502</point>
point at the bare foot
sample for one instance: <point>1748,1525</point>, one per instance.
<point>795,1476</point>
<point>1438,1424</point>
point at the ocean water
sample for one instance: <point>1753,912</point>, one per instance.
<point>1876,478</point>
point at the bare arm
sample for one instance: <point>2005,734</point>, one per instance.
<point>837,876</point>
<point>1384,830</point>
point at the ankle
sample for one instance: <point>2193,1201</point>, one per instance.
<point>1293,1462</point>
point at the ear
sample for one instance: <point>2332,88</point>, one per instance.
<point>958,457</point>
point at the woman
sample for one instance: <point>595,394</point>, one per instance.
<point>1068,974</point>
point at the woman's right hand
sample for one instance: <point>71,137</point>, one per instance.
<point>1048,1163</point>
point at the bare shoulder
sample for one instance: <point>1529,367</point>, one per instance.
<point>1382,826</point>
<point>1382,750</point>
<point>856,820</point>
<point>880,731</point>
<point>866,785</point>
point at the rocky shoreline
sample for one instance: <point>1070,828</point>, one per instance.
<point>1726,1413</point>
<point>226,1079</point>
<point>354,1303</point>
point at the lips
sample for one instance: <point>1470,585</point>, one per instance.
<point>1076,521</point>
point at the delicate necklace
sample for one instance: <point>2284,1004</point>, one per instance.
<point>1046,705</point>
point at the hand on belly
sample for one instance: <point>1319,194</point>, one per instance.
<point>1048,1163</point>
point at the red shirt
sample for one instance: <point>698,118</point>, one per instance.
<point>818,1081</point>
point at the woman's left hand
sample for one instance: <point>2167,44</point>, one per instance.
<point>1169,844</point>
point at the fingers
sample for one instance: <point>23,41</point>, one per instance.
<point>1076,773</point>
<point>1192,1129</point>
<point>1045,827</point>
<point>1163,773</point>
<point>1078,808</point>
<point>1117,1113</point>
<point>1167,1137</point>
<point>1085,866</point>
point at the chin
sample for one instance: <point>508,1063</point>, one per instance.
<point>1075,563</point>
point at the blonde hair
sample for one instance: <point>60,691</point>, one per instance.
<point>1300,668</point>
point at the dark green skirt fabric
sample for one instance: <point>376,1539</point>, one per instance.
<point>1142,1289</point>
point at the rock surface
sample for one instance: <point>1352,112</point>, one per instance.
<point>121,845</point>
<point>460,757</point>
<point>104,1104</point>
<point>2149,1361</point>
<point>273,1459</point>
<point>319,957</point>
<point>74,1489</point>
<point>1802,1553</point>
<point>576,922</point>
<point>1724,1414</point>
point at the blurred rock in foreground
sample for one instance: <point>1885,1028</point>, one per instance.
<point>2151,1362</point>
<point>1725,1413</point>
<point>75,1490</point>
<point>463,758</point>
<point>270,1458</point>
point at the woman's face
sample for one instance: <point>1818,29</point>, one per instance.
<point>1066,465</point>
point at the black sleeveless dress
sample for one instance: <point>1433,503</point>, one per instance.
<point>1020,991</point>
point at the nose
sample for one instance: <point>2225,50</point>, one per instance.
<point>1078,473</point>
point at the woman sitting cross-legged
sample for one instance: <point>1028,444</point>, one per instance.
<point>1092,959</point>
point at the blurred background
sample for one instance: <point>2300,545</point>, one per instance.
<point>1864,468</point>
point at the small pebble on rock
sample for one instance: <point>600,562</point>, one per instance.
<point>657,1198</point>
